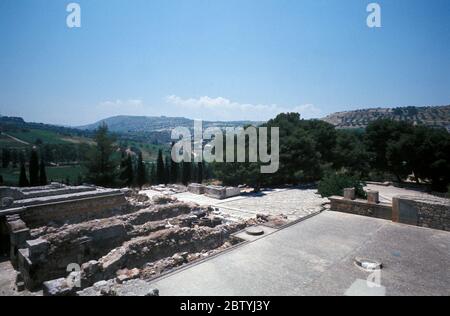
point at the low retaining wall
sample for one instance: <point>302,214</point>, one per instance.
<point>429,212</point>
<point>425,212</point>
<point>74,211</point>
<point>361,207</point>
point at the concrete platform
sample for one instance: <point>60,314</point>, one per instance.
<point>316,257</point>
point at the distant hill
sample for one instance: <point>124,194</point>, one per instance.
<point>434,116</point>
<point>15,132</point>
<point>137,124</point>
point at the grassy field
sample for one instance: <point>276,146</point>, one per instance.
<point>8,142</point>
<point>47,137</point>
<point>58,174</point>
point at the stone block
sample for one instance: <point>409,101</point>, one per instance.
<point>196,188</point>
<point>37,248</point>
<point>231,192</point>
<point>216,192</point>
<point>373,197</point>
<point>350,194</point>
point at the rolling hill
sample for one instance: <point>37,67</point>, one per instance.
<point>137,124</point>
<point>434,116</point>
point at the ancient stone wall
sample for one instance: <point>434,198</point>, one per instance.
<point>73,211</point>
<point>361,207</point>
<point>425,212</point>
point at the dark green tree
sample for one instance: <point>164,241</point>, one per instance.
<point>200,172</point>
<point>350,153</point>
<point>167,171</point>
<point>174,167</point>
<point>42,173</point>
<point>34,168</point>
<point>23,180</point>
<point>126,170</point>
<point>160,173</point>
<point>6,157</point>
<point>141,173</point>
<point>14,158</point>
<point>186,173</point>
<point>101,165</point>
<point>153,175</point>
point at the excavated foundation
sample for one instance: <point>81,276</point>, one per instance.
<point>147,238</point>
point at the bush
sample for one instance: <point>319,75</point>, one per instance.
<point>335,183</point>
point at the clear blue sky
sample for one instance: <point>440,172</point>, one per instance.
<point>220,59</point>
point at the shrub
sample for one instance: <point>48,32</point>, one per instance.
<point>335,183</point>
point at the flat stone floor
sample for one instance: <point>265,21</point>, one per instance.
<point>316,257</point>
<point>387,193</point>
<point>294,203</point>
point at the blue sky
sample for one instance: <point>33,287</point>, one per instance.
<point>221,59</point>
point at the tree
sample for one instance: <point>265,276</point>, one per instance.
<point>126,170</point>
<point>6,157</point>
<point>153,175</point>
<point>200,172</point>
<point>14,158</point>
<point>350,153</point>
<point>167,171</point>
<point>160,174</point>
<point>23,180</point>
<point>141,176</point>
<point>42,173</point>
<point>403,149</point>
<point>101,165</point>
<point>186,173</point>
<point>382,141</point>
<point>173,170</point>
<point>34,168</point>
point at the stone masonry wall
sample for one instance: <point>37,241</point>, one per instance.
<point>361,207</point>
<point>425,212</point>
<point>73,211</point>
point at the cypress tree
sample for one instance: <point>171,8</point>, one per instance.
<point>126,170</point>
<point>42,174</point>
<point>6,157</point>
<point>14,158</point>
<point>141,173</point>
<point>102,168</point>
<point>167,171</point>
<point>174,174</point>
<point>153,175</point>
<point>200,172</point>
<point>186,173</point>
<point>23,180</point>
<point>160,168</point>
<point>34,168</point>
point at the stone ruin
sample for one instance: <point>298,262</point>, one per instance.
<point>214,191</point>
<point>424,211</point>
<point>107,240</point>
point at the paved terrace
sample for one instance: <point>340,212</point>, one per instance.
<point>294,203</point>
<point>316,257</point>
<point>388,192</point>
